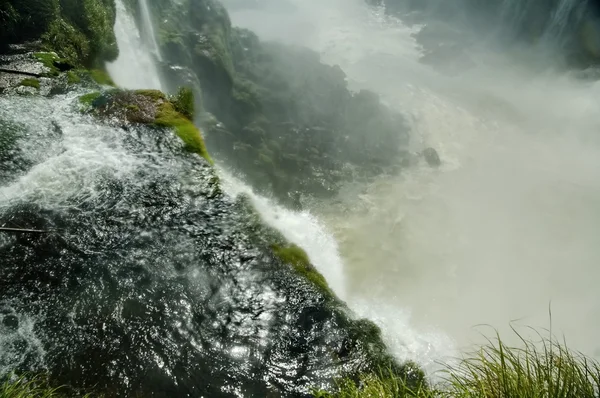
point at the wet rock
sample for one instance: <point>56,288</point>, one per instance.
<point>431,157</point>
<point>10,322</point>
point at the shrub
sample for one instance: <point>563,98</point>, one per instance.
<point>184,102</point>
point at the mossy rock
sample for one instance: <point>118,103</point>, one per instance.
<point>101,77</point>
<point>31,82</point>
<point>48,59</point>
<point>151,107</point>
<point>89,99</point>
<point>297,258</point>
<point>168,116</point>
<point>73,78</point>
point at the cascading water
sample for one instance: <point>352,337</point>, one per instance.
<point>149,278</point>
<point>135,68</point>
<point>507,225</point>
<point>300,228</point>
<point>149,28</point>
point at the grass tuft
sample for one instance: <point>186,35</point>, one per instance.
<point>184,102</point>
<point>73,77</point>
<point>535,369</point>
<point>101,77</point>
<point>27,388</point>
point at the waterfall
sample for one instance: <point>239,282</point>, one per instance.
<point>301,228</point>
<point>135,67</point>
<point>561,18</point>
<point>148,28</point>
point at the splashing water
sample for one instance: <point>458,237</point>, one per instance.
<point>301,228</point>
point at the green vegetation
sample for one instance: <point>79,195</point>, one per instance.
<point>154,94</point>
<point>24,388</point>
<point>378,385</point>
<point>88,99</point>
<point>73,77</point>
<point>544,369</point>
<point>66,39</point>
<point>80,31</point>
<point>101,77</point>
<point>294,255</point>
<point>48,59</point>
<point>184,102</point>
<point>168,116</point>
<point>26,19</point>
<point>30,82</point>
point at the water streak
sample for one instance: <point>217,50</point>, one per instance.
<point>135,68</point>
<point>148,26</point>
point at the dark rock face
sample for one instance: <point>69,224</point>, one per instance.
<point>279,115</point>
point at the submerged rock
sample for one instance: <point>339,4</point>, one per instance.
<point>431,157</point>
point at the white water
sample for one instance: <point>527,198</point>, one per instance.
<point>301,228</point>
<point>135,67</point>
<point>508,225</point>
<point>149,28</point>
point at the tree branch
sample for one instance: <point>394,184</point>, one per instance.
<point>20,230</point>
<point>18,72</point>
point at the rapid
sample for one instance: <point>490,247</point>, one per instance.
<point>507,231</point>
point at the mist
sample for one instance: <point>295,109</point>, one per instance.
<point>508,228</point>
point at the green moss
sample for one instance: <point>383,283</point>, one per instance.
<point>167,116</point>
<point>132,107</point>
<point>294,255</point>
<point>88,99</point>
<point>73,78</point>
<point>101,77</point>
<point>31,83</point>
<point>47,59</point>
<point>154,94</point>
